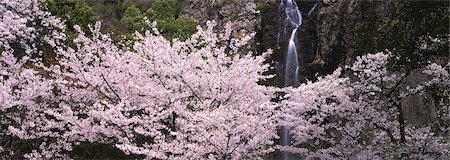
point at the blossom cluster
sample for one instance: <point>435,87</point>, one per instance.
<point>363,116</point>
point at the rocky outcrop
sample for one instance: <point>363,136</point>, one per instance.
<point>337,21</point>
<point>337,28</point>
<point>243,14</point>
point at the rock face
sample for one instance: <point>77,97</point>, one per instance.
<point>337,28</point>
<point>419,109</point>
<point>243,14</point>
<point>336,31</point>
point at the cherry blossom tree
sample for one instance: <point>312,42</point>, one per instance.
<point>173,100</point>
<point>27,29</point>
<point>25,32</point>
<point>363,117</point>
<point>383,92</point>
<point>159,99</point>
<point>315,114</point>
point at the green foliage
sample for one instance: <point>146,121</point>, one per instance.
<point>162,9</point>
<point>74,12</point>
<point>133,18</point>
<point>164,13</point>
<point>181,28</point>
<point>403,31</point>
<point>124,18</point>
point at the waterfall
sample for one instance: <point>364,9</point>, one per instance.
<point>293,19</point>
<point>312,9</point>
<point>291,74</point>
<point>292,66</point>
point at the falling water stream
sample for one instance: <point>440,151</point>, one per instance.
<point>293,16</point>
<point>292,68</point>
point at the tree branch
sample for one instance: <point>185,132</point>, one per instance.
<point>388,131</point>
<point>109,86</point>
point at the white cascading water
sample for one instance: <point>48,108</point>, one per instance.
<point>292,68</point>
<point>294,19</point>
